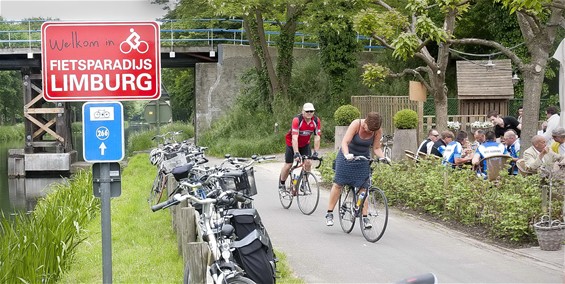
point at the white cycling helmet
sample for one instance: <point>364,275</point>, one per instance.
<point>156,156</point>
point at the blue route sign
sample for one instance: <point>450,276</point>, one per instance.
<point>103,131</point>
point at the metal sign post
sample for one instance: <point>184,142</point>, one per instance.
<point>106,224</point>
<point>103,142</point>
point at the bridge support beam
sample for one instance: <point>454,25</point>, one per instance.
<point>47,124</point>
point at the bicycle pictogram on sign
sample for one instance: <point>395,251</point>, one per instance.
<point>134,43</point>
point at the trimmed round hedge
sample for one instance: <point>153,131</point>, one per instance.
<point>406,119</point>
<point>346,114</point>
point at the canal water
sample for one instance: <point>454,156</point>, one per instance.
<point>21,194</point>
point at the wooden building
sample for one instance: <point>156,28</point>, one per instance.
<point>483,86</point>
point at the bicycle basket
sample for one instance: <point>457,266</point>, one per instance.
<point>174,162</point>
<point>239,180</point>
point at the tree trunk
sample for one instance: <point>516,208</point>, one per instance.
<point>533,84</point>
<point>257,54</point>
<point>285,48</point>
<point>266,57</point>
<point>539,40</point>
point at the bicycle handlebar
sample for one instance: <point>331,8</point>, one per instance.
<point>225,197</point>
<point>245,162</point>
<point>371,160</point>
<point>306,157</point>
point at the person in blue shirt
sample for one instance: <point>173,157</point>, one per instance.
<point>454,154</point>
<point>488,149</point>
<point>512,143</point>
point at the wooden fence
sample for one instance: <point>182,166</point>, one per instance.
<point>191,247</point>
<point>387,106</point>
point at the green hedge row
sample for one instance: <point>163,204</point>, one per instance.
<point>505,210</point>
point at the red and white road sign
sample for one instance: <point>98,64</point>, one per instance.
<point>90,61</point>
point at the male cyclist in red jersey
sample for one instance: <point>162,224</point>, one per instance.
<point>298,137</point>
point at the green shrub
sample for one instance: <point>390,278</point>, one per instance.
<point>12,132</point>
<point>346,114</point>
<point>504,210</point>
<point>405,119</point>
<point>143,140</point>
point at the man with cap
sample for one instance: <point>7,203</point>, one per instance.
<point>558,135</point>
<point>298,138</point>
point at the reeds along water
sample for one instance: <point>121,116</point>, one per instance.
<point>36,247</point>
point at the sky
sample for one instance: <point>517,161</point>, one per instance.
<point>82,10</point>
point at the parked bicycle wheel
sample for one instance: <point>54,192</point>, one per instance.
<point>157,189</point>
<point>285,195</point>
<point>377,214</point>
<point>308,194</point>
<point>346,207</point>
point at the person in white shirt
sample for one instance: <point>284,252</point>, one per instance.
<point>552,123</point>
<point>426,145</point>
<point>558,145</point>
<point>539,154</point>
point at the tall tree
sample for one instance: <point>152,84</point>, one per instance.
<point>285,14</point>
<point>11,97</point>
<point>539,23</point>
<point>332,22</point>
<point>411,32</point>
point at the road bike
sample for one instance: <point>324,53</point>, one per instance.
<point>386,143</point>
<point>353,202</point>
<point>303,185</point>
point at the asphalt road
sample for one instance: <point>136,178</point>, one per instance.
<point>410,246</point>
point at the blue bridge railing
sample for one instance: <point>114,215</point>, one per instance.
<point>196,32</point>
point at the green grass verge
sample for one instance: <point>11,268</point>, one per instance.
<point>144,246</point>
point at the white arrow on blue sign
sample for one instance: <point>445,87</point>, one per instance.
<point>103,131</point>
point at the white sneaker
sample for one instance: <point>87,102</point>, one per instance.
<point>329,219</point>
<point>367,223</point>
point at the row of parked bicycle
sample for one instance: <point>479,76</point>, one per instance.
<point>239,244</point>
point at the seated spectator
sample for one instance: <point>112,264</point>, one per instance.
<point>439,146</point>
<point>512,143</point>
<point>426,145</point>
<point>551,123</point>
<point>488,149</point>
<point>539,155</point>
<point>502,124</point>
<point>466,154</point>
<point>453,154</point>
<point>558,145</point>
<point>479,136</point>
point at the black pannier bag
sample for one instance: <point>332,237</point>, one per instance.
<point>254,250</point>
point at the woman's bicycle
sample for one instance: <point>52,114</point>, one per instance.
<point>369,205</point>
<point>303,185</point>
